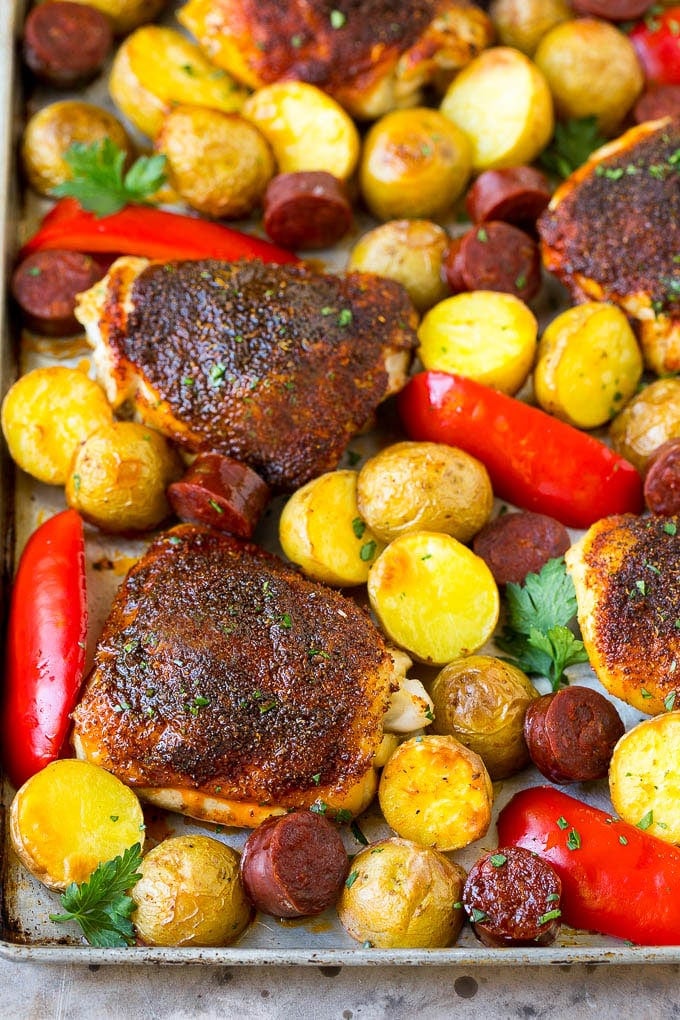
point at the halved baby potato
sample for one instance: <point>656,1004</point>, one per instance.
<point>644,776</point>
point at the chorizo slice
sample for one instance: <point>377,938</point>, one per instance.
<point>306,209</point>
<point>657,102</point>
<point>512,898</point>
<point>611,10</point>
<point>516,544</point>
<point>662,479</point>
<point>45,285</point>
<point>571,734</point>
<point>221,492</point>
<point>294,865</point>
<point>65,43</point>
<point>496,256</point>
<point>516,194</point>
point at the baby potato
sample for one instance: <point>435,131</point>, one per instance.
<point>589,364</point>
<point>415,163</point>
<point>433,596</point>
<point>482,334</point>
<point>408,251</point>
<point>70,817</point>
<point>190,893</point>
<point>648,420</point>
<point>219,163</point>
<point>420,486</point>
<point>157,68</point>
<point>52,130</point>
<point>592,71</point>
<point>482,701</point>
<point>436,791</point>
<point>523,23</point>
<point>399,895</point>
<point>47,414</point>
<point>644,777</point>
<point>321,530</point>
<point>502,102</point>
<point>306,128</point>
<point>127,14</point>
<point>118,477</point>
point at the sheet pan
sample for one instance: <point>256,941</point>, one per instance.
<point>26,933</point>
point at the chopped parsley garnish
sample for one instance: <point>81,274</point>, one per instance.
<point>571,145</point>
<point>100,182</point>
<point>573,840</point>
<point>101,905</point>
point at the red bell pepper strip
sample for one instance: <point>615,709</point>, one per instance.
<point>656,39</point>
<point>45,652</point>
<point>534,460</point>
<point>616,878</point>
<point>149,232</point>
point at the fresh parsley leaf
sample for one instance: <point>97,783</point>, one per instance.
<point>101,905</point>
<point>99,182</point>
<point>572,143</point>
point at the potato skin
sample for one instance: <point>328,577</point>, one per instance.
<point>408,251</point>
<point>648,420</point>
<point>400,895</point>
<point>118,477</point>
<point>416,486</point>
<point>127,14</point>
<point>482,701</point>
<point>190,893</point>
<point>523,23</point>
<point>52,130</point>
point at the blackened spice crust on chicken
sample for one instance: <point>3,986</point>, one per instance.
<point>222,670</point>
<point>277,366</point>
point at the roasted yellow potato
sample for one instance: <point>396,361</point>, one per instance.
<point>433,596</point>
<point>415,163</point>
<point>47,414</point>
<point>190,894</point>
<point>420,486</point>
<point>157,68</point>
<point>52,130</point>
<point>483,334</point>
<point>127,14</point>
<point>436,791</point>
<point>219,163</point>
<point>481,701</point>
<point>502,102</point>
<point>306,128</point>
<point>589,364</point>
<point>523,23</point>
<point>644,776</point>
<point>71,816</point>
<point>647,421</point>
<point>408,251</point>
<point>399,895</point>
<point>321,530</point>
<point>592,70</point>
<point>118,477</point>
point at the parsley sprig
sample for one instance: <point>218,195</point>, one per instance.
<point>572,143</point>
<point>100,182</point>
<point>536,635</point>
<point>101,905</point>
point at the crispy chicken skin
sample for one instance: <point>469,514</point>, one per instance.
<point>370,55</point>
<point>612,233</point>
<point>228,687</point>
<point>277,366</point>
<point>626,571</point>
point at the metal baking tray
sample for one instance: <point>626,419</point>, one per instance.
<point>26,933</point>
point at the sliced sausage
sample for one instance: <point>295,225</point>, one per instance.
<point>306,209</point>
<point>452,266</point>
<point>659,101</point>
<point>221,492</point>
<point>512,898</point>
<point>662,479</point>
<point>571,734</point>
<point>517,194</point>
<point>66,44</point>
<point>495,256</point>
<point>516,544</point>
<point>611,10</point>
<point>45,285</point>
<point>294,865</point>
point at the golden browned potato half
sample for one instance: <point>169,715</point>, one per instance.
<point>644,777</point>
<point>190,894</point>
<point>127,14</point>
<point>52,130</point>
<point>482,701</point>
<point>650,419</point>
<point>420,486</point>
<point>399,895</point>
<point>408,251</point>
<point>219,163</point>
<point>70,817</point>
<point>118,477</point>
<point>523,23</point>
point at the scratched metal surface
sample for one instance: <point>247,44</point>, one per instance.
<point>26,933</point>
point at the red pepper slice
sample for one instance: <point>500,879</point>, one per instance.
<point>46,639</point>
<point>149,232</point>
<point>616,878</point>
<point>534,460</point>
<point>656,39</point>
